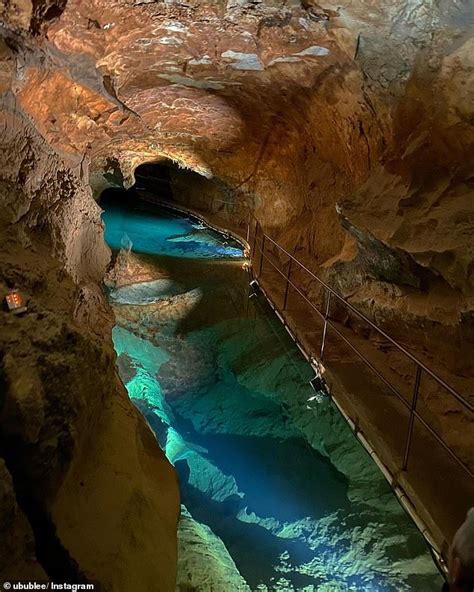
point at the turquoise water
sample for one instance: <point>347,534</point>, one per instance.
<point>179,237</point>
<point>273,473</point>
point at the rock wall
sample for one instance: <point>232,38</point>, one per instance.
<point>346,130</point>
<point>86,492</point>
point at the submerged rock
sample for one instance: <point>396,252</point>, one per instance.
<point>205,562</point>
<point>282,484</point>
<point>143,292</point>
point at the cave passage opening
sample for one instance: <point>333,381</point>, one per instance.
<point>155,177</point>
<point>186,185</point>
<point>273,481</point>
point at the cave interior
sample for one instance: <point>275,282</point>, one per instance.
<point>237,276</point>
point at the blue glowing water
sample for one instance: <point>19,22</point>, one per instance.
<point>175,236</point>
<point>279,479</point>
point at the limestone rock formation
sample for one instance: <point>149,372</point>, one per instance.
<point>358,116</point>
<point>206,562</point>
<point>347,130</point>
<point>80,469</point>
<point>17,543</point>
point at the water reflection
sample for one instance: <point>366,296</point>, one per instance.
<point>284,485</point>
<point>164,234</point>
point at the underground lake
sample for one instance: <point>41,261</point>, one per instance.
<point>277,494</point>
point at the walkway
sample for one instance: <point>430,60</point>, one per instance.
<point>397,410</point>
<point>397,403</point>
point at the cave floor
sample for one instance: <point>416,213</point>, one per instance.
<point>277,492</point>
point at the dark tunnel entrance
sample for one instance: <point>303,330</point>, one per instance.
<point>169,184</point>
<point>153,184</point>
<point>154,177</point>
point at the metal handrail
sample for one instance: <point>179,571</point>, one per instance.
<point>154,179</point>
<point>343,337</point>
<point>328,323</point>
<point>366,319</point>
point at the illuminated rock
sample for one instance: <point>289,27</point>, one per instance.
<point>346,129</point>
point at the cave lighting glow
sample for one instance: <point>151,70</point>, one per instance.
<point>178,237</point>
<point>272,470</point>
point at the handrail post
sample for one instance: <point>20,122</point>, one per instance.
<point>285,300</point>
<point>416,390</point>
<point>325,328</point>
<point>261,255</point>
<point>254,245</point>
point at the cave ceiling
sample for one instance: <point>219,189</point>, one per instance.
<point>306,106</point>
<point>194,79</point>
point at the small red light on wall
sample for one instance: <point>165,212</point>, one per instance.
<point>15,302</point>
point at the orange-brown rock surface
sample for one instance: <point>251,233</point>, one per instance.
<point>294,109</point>
<point>80,470</point>
<point>347,130</point>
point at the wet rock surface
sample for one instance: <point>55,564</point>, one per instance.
<point>347,130</point>
<point>277,492</point>
<point>79,468</point>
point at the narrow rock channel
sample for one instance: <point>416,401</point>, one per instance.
<point>277,493</point>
